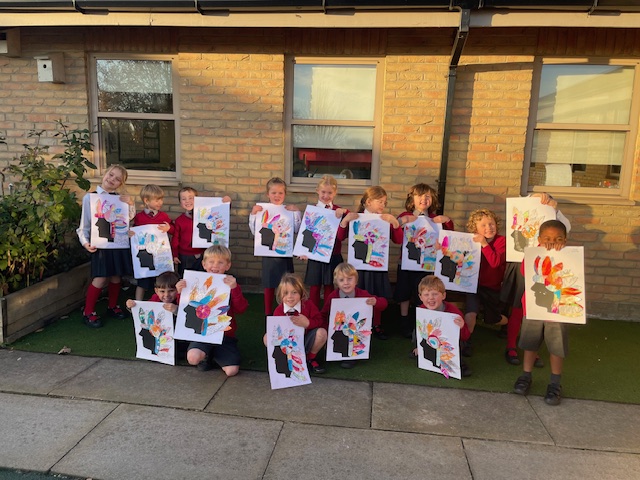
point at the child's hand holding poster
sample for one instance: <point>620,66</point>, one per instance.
<point>285,354</point>
<point>109,221</point>
<point>317,236</point>
<point>419,245</point>
<point>202,312</point>
<point>210,222</point>
<point>349,329</point>
<point>153,327</point>
<point>150,252</point>
<point>274,230</point>
<point>369,243</point>
<point>524,217</point>
<point>458,261</point>
<point>438,342</point>
<point>554,284</point>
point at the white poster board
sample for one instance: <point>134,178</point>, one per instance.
<point>554,284</point>
<point>150,252</point>
<point>210,222</point>
<point>317,235</point>
<point>274,230</point>
<point>368,247</point>
<point>419,245</point>
<point>438,339</point>
<point>202,312</point>
<point>153,326</point>
<point>109,221</point>
<point>286,357</point>
<point>524,217</point>
<point>349,333</point>
<point>458,261</point>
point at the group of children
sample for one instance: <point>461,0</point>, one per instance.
<point>335,279</point>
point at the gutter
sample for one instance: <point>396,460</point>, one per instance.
<point>456,52</point>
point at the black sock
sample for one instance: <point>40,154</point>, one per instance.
<point>556,378</point>
<point>526,374</point>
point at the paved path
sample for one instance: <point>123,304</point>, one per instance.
<point>118,419</point>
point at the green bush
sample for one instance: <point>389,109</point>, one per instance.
<point>39,213</point>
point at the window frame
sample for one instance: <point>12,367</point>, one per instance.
<point>135,176</point>
<point>347,186</point>
<point>585,194</point>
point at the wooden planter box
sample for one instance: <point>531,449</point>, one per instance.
<point>33,307</point>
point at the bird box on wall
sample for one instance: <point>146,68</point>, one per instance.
<point>10,42</point>
<point>51,67</point>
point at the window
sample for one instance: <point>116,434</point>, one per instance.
<point>332,120</point>
<point>136,115</point>
<point>584,126</point>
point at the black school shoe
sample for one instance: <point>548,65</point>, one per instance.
<point>116,312</point>
<point>511,356</point>
<point>554,394</point>
<point>204,365</point>
<point>92,320</point>
<point>315,368</point>
<point>347,363</point>
<point>379,333</point>
<point>522,385</point>
<point>465,370</point>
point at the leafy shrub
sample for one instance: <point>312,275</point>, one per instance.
<point>39,214</point>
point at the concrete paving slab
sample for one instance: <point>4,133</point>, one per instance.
<point>145,383</point>
<point>464,413</point>
<point>591,425</point>
<point>314,452</point>
<point>138,442</point>
<point>505,461</point>
<point>39,431</point>
<point>27,372</point>
<point>325,401</point>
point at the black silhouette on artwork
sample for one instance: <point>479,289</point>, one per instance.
<point>148,341</point>
<point>519,241</point>
<point>282,365</point>
<point>204,232</point>
<point>192,320</point>
<point>360,250</point>
<point>104,229</point>
<point>340,343</point>
<point>267,237</point>
<point>146,259</point>
<point>544,296</point>
<point>414,253</point>
<point>308,241</point>
<point>449,268</point>
<point>429,352</point>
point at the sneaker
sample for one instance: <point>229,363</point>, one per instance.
<point>92,320</point>
<point>347,363</point>
<point>379,333</point>
<point>204,365</point>
<point>116,312</point>
<point>522,385</point>
<point>511,356</point>
<point>314,367</point>
<point>538,363</point>
<point>554,394</point>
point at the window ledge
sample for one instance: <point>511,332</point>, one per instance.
<point>586,199</point>
<point>141,180</point>
<point>342,189</point>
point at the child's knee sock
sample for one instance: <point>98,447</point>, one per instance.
<point>513,326</point>
<point>311,356</point>
<point>269,294</point>
<point>314,295</point>
<point>93,295</point>
<point>114,292</point>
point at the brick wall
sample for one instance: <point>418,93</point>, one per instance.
<point>231,123</point>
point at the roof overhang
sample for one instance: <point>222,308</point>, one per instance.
<point>320,13</point>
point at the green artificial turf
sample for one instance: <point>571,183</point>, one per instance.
<point>601,364</point>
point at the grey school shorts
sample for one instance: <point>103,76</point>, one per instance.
<point>554,334</point>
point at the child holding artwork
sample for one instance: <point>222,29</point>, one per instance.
<point>374,200</point>
<point>217,259</point>
<point>274,267</point>
<point>165,292</point>
<point>513,290</point>
<point>345,279</point>
<point>294,303</point>
<point>107,265</point>
<point>422,200</point>
<point>432,293</point>
<point>321,274</point>
<point>552,235</point>
<point>483,224</point>
<point>152,197</point>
